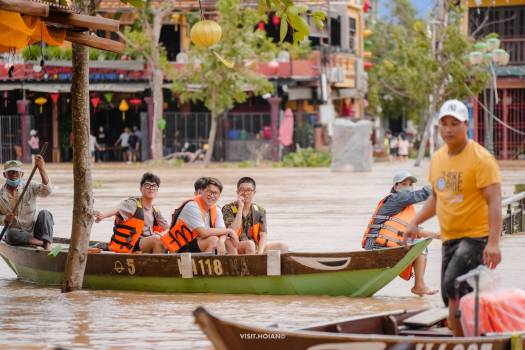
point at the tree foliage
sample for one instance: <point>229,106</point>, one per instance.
<point>208,80</point>
<point>406,70</point>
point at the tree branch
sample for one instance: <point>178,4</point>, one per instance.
<point>483,24</point>
<point>135,46</point>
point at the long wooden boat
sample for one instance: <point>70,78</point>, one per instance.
<point>399,330</point>
<point>356,274</point>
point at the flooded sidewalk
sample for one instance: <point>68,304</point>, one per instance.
<point>311,209</point>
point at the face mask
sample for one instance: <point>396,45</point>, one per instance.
<point>405,189</point>
<point>13,183</point>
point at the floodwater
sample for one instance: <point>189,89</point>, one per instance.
<point>311,209</point>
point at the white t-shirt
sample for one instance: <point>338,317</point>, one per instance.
<point>124,137</point>
<point>192,216</point>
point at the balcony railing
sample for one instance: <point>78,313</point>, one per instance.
<point>516,48</point>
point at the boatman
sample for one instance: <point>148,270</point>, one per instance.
<point>390,219</point>
<point>138,224</point>
<point>28,226</point>
<point>466,197</point>
<point>198,224</point>
<point>248,219</point>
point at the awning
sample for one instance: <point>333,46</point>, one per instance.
<point>66,87</point>
<point>301,93</point>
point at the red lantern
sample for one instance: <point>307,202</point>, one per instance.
<point>95,101</point>
<point>368,65</point>
<point>54,97</point>
<point>276,20</point>
<point>136,102</point>
<point>261,26</point>
<point>366,6</point>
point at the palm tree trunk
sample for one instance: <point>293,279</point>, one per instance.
<point>83,194</point>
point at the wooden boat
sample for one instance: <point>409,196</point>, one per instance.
<point>356,274</point>
<point>399,330</point>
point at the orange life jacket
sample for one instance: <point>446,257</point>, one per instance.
<point>179,234</point>
<point>255,229</point>
<point>391,230</point>
<point>126,233</point>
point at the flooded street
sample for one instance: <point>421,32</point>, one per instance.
<point>311,209</point>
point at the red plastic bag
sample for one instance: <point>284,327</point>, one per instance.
<point>500,310</point>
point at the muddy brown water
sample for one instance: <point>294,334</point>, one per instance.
<point>311,209</point>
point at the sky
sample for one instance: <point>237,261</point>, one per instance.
<point>423,7</point>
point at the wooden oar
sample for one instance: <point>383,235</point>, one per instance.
<point>42,152</point>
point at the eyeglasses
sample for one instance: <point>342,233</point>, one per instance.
<point>153,187</point>
<point>215,194</point>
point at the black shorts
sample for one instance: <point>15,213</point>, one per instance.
<point>192,247</point>
<point>459,256</point>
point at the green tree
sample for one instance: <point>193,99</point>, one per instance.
<point>212,82</point>
<point>415,72</point>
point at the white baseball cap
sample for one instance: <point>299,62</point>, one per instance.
<point>454,108</point>
<point>402,176</point>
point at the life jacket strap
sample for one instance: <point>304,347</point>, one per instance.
<point>386,227</point>
<point>390,218</point>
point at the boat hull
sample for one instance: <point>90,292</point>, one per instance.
<point>356,274</point>
<point>228,335</point>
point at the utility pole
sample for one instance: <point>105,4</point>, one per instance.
<point>440,21</point>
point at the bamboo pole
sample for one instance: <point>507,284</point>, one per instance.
<point>25,7</point>
<point>83,21</point>
<point>95,41</point>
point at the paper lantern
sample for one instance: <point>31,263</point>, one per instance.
<point>41,101</point>
<point>95,101</point>
<point>136,102</point>
<point>476,57</point>
<point>493,44</point>
<point>276,20</point>
<point>123,107</point>
<point>206,33</point>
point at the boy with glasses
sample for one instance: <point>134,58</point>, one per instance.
<point>248,220</point>
<point>198,225</point>
<point>138,224</point>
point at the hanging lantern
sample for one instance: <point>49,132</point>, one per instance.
<point>95,101</point>
<point>175,18</point>
<point>41,101</point>
<point>276,20</point>
<point>206,33</point>
<point>261,26</point>
<point>54,97</point>
<point>136,102</point>
<point>123,107</point>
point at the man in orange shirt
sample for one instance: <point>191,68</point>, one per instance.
<point>466,197</point>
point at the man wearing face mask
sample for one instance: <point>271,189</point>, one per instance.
<point>27,226</point>
<point>389,221</point>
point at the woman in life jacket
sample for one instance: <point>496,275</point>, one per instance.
<point>138,224</point>
<point>389,221</point>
